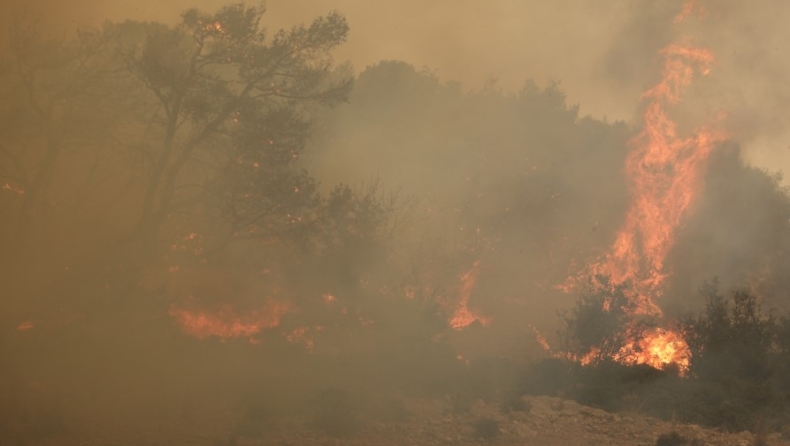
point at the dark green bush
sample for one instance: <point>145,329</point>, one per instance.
<point>335,413</point>
<point>601,320</point>
<point>735,362</point>
<point>486,428</point>
<point>394,411</point>
<point>675,439</point>
<point>515,403</point>
<point>731,338</point>
<point>550,376</point>
<point>252,424</point>
<point>460,403</point>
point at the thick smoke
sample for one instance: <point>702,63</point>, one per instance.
<point>441,207</point>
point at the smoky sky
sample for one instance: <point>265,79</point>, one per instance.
<point>516,169</point>
<point>603,53</point>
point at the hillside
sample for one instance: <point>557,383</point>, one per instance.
<point>543,421</point>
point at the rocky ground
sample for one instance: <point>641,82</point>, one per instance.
<point>530,421</point>
<point>541,421</point>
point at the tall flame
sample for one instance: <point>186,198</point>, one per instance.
<point>664,171</point>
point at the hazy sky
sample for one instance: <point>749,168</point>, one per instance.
<point>604,53</point>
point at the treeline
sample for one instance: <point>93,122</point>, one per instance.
<point>194,160</point>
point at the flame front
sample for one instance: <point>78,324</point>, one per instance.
<point>224,323</point>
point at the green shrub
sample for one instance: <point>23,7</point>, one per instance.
<point>601,320</point>
<point>394,411</point>
<point>486,428</point>
<point>460,403</point>
<point>252,424</point>
<point>515,403</point>
<point>731,338</point>
<point>334,413</point>
<point>675,439</point>
<point>550,376</point>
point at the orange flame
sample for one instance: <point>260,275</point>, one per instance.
<point>463,316</point>
<point>302,335</point>
<point>665,171</point>
<point>541,339</point>
<point>590,356</point>
<point>689,8</point>
<point>658,348</point>
<point>226,324</point>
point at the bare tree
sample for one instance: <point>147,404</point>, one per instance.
<point>54,106</point>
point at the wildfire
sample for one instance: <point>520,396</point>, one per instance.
<point>689,8</point>
<point>304,336</point>
<point>540,339</point>
<point>664,170</point>
<point>590,356</point>
<point>224,323</point>
<point>214,27</point>
<point>658,348</point>
<point>463,316</point>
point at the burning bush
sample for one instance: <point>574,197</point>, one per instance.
<point>602,324</point>
<point>739,356</point>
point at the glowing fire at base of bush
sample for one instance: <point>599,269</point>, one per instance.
<point>664,171</point>
<point>658,348</point>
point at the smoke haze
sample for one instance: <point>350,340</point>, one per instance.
<point>320,244</point>
<point>604,54</point>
